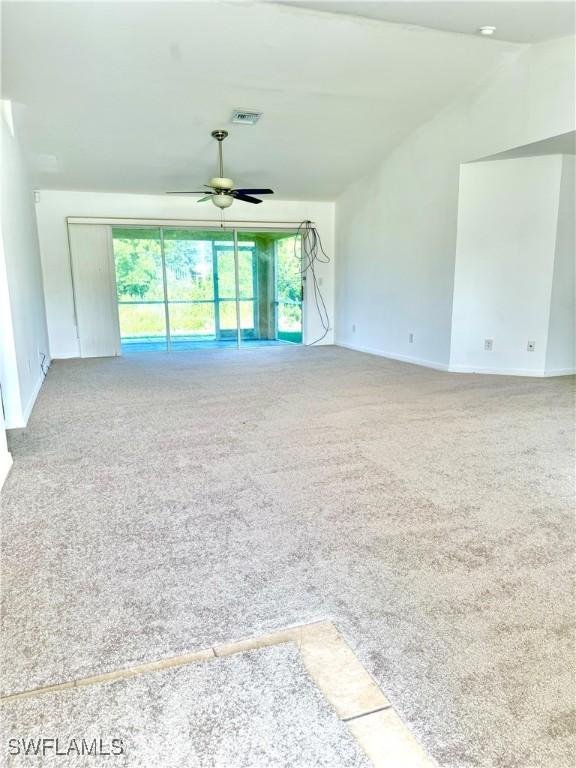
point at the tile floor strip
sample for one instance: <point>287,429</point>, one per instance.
<point>338,673</point>
<point>336,670</point>
<point>37,691</point>
<point>389,743</point>
<point>118,674</point>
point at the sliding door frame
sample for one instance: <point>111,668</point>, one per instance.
<point>165,289</point>
<point>162,224</point>
<point>236,246</point>
<point>237,290</point>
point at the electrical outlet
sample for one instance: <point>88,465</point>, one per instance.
<point>531,346</point>
<point>411,338</point>
<point>353,327</point>
<point>488,345</point>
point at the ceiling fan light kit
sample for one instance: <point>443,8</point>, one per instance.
<point>222,189</point>
<point>222,200</point>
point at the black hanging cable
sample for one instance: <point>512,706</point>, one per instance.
<point>313,253</point>
<point>44,367</point>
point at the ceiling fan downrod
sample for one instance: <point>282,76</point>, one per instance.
<point>220,135</point>
<point>222,192</point>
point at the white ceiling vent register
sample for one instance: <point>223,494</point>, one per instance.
<point>246,116</point>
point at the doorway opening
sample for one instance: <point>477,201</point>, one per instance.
<point>195,289</point>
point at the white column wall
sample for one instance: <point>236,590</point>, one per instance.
<point>396,227</point>
<point>505,251</point>
<point>561,350</point>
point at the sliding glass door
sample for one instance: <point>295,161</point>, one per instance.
<point>190,288</point>
<point>193,280</point>
<point>226,293</point>
<point>288,289</point>
<point>273,285</point>
<point>140,288</point>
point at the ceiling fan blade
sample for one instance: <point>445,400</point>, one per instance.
<point>255,191</point>
<point>246,198</point>
<point>200,192</point>
<point>206,197</point>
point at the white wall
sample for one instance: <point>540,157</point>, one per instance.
<point>9,386</point>
<point>506,243</point>
<point>561,350</point>
<point>9,382</point>
<point>396,228</point>
<point>55,206</point>
<point>5,455</point>
<point>24,334</point>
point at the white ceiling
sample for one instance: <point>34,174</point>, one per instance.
<point>123,96</point>
<point>519,21</point>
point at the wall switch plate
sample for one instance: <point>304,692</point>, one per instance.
<point>531,346</point>
<point>353,327</point>
<point>411,338</point>
<point>488,345</point>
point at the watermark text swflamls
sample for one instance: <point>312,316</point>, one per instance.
<point>57,746</point>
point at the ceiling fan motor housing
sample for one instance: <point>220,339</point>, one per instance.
<point>220,182</point>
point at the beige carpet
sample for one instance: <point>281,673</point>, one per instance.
<point>164,503</point>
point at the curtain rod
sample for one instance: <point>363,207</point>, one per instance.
<point>180,222</point>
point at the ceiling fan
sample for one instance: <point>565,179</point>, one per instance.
<point>224,194</point>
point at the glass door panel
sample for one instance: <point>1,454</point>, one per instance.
<point>289,289</point>
<point>139,288</point>
<point>226,311</point>
<point>191,285</point>
<point>191,323</point>
<point>247,318</point>
<point>271,284</point>
<point>228,320</point>
<point>247,288</point>
<point>256,286</point>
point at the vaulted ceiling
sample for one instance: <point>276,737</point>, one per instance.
<point>123,96</point>
<point>518,21</point>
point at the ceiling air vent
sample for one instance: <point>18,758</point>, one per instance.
<point>246,116</point>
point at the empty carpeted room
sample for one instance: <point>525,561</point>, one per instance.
<point>287,367</point>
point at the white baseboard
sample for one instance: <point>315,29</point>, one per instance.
<point>393,356</point>
<point>528,372</point>
<point>5,467</point>
<point>30,405</point>
<point>22,419</point>
<point>560,372</point>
